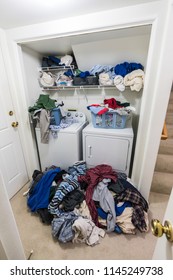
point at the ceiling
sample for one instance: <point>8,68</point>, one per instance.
<point>26,12</point>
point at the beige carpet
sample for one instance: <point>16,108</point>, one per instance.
<point>37,237</point>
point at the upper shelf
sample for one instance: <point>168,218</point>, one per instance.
<point>75,85</point>
<point>53,88</point>
<point>55,68</point>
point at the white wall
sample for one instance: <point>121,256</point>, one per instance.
<point>112,51</point>
<point>30,62</point>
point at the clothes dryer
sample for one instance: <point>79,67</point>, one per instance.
<point>64,148</point>
<point>108,146</point>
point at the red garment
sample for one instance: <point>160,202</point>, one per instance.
<point>102,111</point>
<point>92,178</point>
<point>112,103</point>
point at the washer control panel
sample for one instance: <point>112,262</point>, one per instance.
<point>76,116</point>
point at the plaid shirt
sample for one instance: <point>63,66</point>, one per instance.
<point>139,205</point>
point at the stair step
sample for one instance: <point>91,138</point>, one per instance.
<point>170,130</point>
<point>164,163</point>
<point>163,175</point>
<point>166,146</point>
<point>171,97</point>
<point>162,182</point>
<point>169,118</point>
<point>170,107</point>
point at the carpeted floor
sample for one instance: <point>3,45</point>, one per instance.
<point>37,237</point>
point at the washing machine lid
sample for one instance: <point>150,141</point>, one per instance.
<point>73,128</point>
<point>123,132</point>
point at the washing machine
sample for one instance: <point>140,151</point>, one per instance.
<point>65,148</point>
<point>108,146</point>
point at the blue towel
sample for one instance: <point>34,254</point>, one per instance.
<point>125,68</point>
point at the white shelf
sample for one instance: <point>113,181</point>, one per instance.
<point>55,68</point>
<point>72,87</point>
<point>53,88</point>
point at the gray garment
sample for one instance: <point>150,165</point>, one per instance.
<point>106,200</point>
<point>44,125</point>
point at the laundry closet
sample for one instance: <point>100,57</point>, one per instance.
<point>103,38</point>
<point>109,47</point>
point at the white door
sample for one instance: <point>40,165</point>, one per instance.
<point>112,151</point>
<point>108,146</point>
<point>12,164</point>
<point>164,248</point>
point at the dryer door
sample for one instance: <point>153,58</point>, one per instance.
<point>108,150</point>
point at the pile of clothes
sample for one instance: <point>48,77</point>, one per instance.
<point>111,105</point>
<point>82,205</point>
<point>122,75</point>
<point>42,114</point>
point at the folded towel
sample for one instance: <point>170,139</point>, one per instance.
<point>135,80</point>
<point>119,82</point>
<point>104,79</point>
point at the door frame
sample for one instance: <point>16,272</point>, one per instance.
<point>155,94</point>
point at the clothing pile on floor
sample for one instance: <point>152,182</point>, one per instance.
<point>82,205</point>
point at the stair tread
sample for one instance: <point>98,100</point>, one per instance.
<point>170,130</point>
<point>162,155</point>
<point>169,126</point>
<point>169,114</point>
<point>170,108</point>
<point>164,163</point>
<point>162,182</point>
<point>169,118</point>
<point>168,141</point>
<point>163,175</point>
<point>159,173</point>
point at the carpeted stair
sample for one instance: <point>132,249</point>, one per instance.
<point>163,175</point>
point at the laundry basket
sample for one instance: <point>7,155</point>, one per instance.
<point>109,120</point>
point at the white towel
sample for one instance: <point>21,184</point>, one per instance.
<point>135,80</point>
<point>104,79</point>
<point>119,82</point>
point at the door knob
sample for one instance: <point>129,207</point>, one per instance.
<point>14,124</point>
<point>158,229</point>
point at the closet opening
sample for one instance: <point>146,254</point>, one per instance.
<point>109,47</point>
